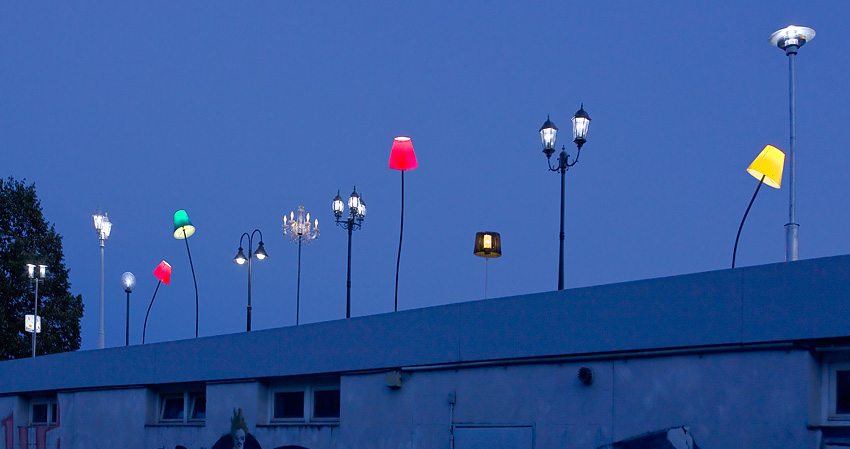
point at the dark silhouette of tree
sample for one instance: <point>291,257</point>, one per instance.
<point>25,237</point>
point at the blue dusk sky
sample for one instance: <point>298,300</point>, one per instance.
<point>239,112</point>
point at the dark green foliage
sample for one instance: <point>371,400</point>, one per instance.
<point>25,237</point>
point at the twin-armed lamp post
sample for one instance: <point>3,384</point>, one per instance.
<point>241,259</point>
<point>548,131</point>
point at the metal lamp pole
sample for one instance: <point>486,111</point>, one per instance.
<point>791,39</point>
<point>356,214</point>
<point>548,131</point>
<point>39,278</point>
<point>241,259</point>
<point>103,228</point>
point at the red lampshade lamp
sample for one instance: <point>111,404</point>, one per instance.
<point>163,273</point>
<point>402,158</point>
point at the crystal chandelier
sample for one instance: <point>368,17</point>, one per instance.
<point>299,229</point>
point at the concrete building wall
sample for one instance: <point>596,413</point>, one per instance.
<point>736,355</point>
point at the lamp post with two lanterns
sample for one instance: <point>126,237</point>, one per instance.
<point>356,214</point>
<point>241,259</point>
<point>548,132</point>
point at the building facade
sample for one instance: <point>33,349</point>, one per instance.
<point>747,358</point>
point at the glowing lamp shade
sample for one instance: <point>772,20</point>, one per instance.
<point>488,244</point>
<point>402,156</point>
<point>183,227</point>
<point>769,164</point>
<point>163,272</point>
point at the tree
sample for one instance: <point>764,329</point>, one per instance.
<point>25,237</point>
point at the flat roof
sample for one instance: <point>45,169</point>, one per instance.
<point>792,301</point>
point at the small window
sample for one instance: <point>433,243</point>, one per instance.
<point>305,404</point>
<point>199,407</point>
<point>181,408</point>
<point>172,408</point>
<point>44,412</point>
<point>326,404</point>
<point>289,405</point>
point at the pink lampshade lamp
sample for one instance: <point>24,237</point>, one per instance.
<point>402,158</point>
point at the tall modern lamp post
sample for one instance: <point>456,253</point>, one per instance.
<point>241,259</point>
<point>35,278</point>
<point>402,158</point>
<point>128,281</point>
<point>791,39</point>
<point>356,214</point>
<point>163,273</point>
<point>301,231</point>
<point>581,121</point>
<point>487,245</point>
<point>103,228</point>
<point>767,168</point>
<point>183,229</point>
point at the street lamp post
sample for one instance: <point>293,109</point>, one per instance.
<point>356,214</point>
<point>301,231</point>
<point>36,278</point>
<point>241,259</point>
<point>128,281</point>
<point>791,39</point>
<point>103,228</point>
<point>581,121</point>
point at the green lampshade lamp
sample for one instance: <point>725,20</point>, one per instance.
<point>183,229</point>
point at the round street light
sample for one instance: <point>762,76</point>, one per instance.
<point>128,281</point>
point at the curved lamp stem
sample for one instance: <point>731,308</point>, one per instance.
<point>400,236</point>
<point>149,311</point>
<point>194,280</point>
<point>735,251</point>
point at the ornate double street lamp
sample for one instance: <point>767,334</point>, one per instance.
<point>300,231</point>
<point>548,132</point>
<point>34,325</point>
<point>103,228</point>
<point>791,39</point>
<point>128,281</point>
<point>356,214</point>
<point>241,259</point>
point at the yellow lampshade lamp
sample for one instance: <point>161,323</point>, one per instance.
<point>769,164</point>
<point>767,168</point>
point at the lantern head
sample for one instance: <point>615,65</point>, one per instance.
<point>548,133</point>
